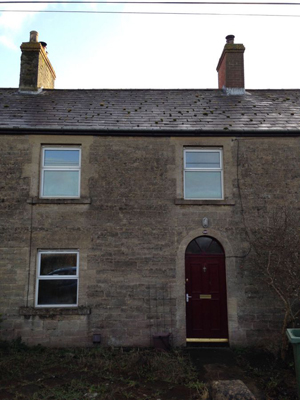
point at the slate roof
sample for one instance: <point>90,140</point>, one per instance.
<point>156,111</point>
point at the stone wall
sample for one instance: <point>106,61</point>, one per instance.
<point>46,74</point>
<point>36,70</point>
<point>131,228</point>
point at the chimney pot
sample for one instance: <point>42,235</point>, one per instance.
<point>230,39</point>
<point>34,35</point>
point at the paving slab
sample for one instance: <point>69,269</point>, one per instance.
<point>220,364</point>
<point>230,390</point>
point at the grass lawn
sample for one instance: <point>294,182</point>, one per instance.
<point>142,374</point>
<point>97,373</point>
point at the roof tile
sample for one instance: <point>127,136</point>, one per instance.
<point>157,110</point>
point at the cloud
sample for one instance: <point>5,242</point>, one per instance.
<point>13,21</point>
<point>8,42</point>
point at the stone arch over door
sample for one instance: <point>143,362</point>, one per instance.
<point>235,337</point>
<point>206,291</point>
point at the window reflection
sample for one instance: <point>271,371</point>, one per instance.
<point>204,245</point>
<point>57,280</point>
<point>57,292</point>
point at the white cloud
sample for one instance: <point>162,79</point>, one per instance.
<point>158,51</point>
<point>13,21</point>
<point>8,42</point>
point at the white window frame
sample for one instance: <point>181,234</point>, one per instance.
<point>220,169</point>
<point>55,277</point>
<point>59,168</point>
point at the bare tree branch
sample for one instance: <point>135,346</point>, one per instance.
<point>276,262</point>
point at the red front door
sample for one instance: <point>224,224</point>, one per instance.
<point>206,300</point>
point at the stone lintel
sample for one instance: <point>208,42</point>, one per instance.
<point>37,200</point>
<point>183,202</point>
<point>52,311</point>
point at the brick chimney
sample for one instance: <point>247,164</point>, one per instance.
<point>231,68</point>
<point>36,69</point>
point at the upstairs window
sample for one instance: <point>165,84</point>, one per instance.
<point>57,278</point>
<point>60,172</point>
<point>203,174</point>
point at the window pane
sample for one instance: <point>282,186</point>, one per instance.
<point>203,185</point>
<point>193,248</point>
<point>61,158</point>
<point>61,183</point>
<point>202,159</point>
<point>215,248</point>
<point>58,264</point>
<point>204,242</point>
<point>58,291</point>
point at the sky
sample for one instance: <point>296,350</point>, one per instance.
<point>118,51</point>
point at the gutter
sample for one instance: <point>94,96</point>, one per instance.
<point>167,132</point>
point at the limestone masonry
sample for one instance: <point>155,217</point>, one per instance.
<point>102,193</point>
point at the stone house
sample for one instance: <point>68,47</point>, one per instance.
<point>123,211</point>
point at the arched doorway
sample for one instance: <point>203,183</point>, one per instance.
<point>206,298</point>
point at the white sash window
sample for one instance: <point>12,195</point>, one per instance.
<point>60,175</point>
<point>57,278</point>
<point>203,174</point>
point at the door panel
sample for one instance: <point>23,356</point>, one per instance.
<point>206,309</point>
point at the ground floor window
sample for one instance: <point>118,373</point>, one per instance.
<point>57,278</point>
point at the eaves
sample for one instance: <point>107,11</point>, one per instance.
<point>154,132</point>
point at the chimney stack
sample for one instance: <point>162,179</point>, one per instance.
<point>231,68</point>
<point>36,70</point>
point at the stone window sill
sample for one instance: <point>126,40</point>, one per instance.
<point>182,202</point>
<point>37,200</point>
<point>51,311</point>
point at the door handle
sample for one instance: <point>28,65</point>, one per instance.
<point>187,297</point>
